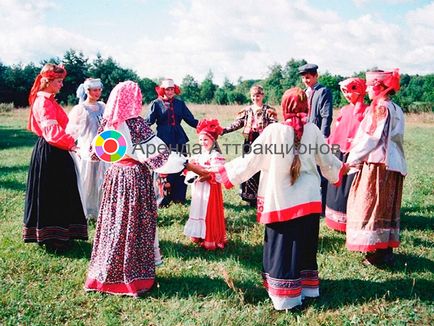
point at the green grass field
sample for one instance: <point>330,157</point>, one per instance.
<point>195,287</point>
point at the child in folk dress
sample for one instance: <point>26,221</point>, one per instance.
<point>206,223</point>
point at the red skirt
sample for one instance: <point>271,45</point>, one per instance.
<point>215,236</point>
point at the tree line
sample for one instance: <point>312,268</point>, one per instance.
<point>416,94</point>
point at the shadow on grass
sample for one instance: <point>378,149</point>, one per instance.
<point>12,138</point>
<point>201,286</point>
<point>248,255</point>
<point>339,293</point>
<point>12,184</point>
<point>412,219</point>
<point>79,249</point>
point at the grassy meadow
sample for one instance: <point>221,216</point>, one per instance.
<point>196,287</point>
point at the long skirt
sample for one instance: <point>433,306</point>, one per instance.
<point>53,209</point>
<point>91,177</point>
<point>290,269</point>
<point>337,197</point>
<point>122,260</point>
<point>249,189</point>
<point>373,209</point>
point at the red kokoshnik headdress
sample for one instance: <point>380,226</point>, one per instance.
<point>210,128</point>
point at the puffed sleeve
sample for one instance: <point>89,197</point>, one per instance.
<point>46,113</point>
<point>331,167</point>
<point>77,121</point>
<point>369,134</point>
<point>152,150</point>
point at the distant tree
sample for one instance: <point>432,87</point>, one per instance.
<point>273,84</point>
<point>110,73</point>
<point>77,67</point>
<point>16,82</point>
<point>190,91</point>
<point>207,88</point>
<point>147,86</point>
<point>236,97</point>
<point>332,83</point>
<point>290,74</point>
<point>221,96</point>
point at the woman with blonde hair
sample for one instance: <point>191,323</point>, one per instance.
<point>289,198</point>
<point>53,212</point>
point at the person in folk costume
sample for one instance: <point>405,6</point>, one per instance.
<point>206,223</point>
<point>53,212</point>
<point>374,201</point>
<point>122,260</point>
<point>320,101</point>
<point>253,119</point>
<point>289,199</point>
<point>347,123</point>
<point>84,121</point>
<point>123,254</point>
<point>167,112</point>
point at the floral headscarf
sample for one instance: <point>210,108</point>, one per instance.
<point>124,102</point>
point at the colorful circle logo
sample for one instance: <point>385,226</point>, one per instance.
<point>110,146</point>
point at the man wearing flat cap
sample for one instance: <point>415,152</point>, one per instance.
<point>320,98</point>
<point>320,102</point>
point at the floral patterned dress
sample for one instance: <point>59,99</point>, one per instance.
<point>123,259</point>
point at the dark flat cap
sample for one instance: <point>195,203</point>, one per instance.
<point>308,68</point>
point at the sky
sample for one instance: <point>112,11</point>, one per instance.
<point>233,39</point>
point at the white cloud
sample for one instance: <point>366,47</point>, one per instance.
<point>27,37</point>
<point>237,39</point>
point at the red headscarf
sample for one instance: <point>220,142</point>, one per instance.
<point>211,128</point>
<point>350,115</point>
<point>57,72</point>
<point>124,102</point>
<point>295,108</point>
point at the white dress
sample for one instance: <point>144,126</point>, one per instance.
<point>84,121</point>
<point>200,195</point>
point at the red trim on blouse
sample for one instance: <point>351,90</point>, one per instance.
<point>289,213</point>
<point>134,288</point>
<point>225,180</point>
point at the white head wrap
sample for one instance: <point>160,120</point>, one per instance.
<point>90,83</point>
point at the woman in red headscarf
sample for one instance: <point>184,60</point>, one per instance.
<point>289,198</point>
<point>206,223</point>
<point>374,201</point>
<point>341,138</point>
<point>53,212</point>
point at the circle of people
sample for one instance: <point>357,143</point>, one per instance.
<point>358,188</point>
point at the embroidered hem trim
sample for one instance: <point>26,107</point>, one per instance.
<point>134,288</point>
